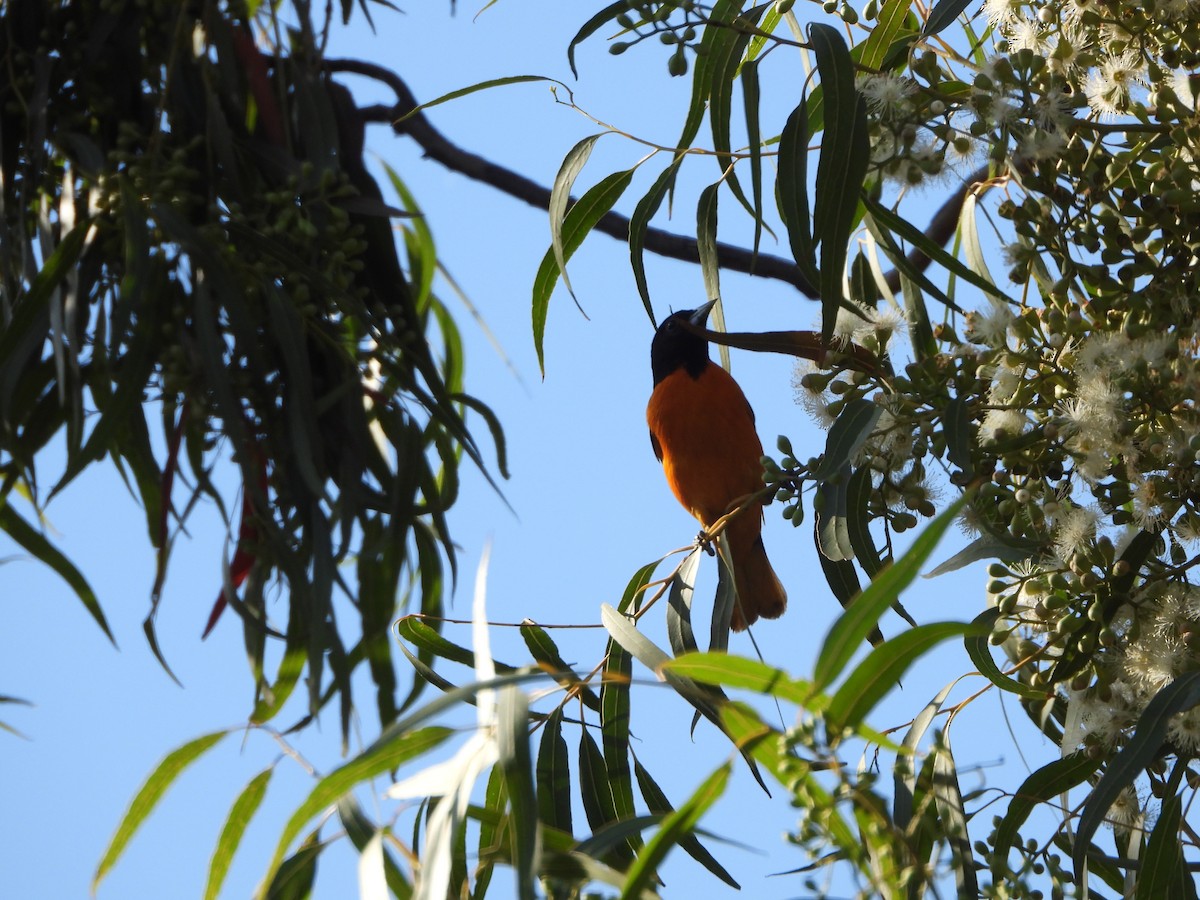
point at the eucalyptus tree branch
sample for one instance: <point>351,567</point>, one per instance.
<point>406,119</point>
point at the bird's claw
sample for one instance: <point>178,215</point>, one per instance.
<point>704,542</point>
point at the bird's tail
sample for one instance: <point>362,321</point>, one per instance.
<point>760,593</point>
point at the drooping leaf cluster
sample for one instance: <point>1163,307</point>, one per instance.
<point>196,267</point>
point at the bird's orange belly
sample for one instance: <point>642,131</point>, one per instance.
<point>710,450</point>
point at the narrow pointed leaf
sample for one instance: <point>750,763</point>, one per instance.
<point>1162,873</point>
<point>481,86</point>
<point>981,655</point>
<point>545,652</point>
<point>580,220</point>
<point>956,423</point>
<point>560,194</point>
<point>944,12</point>
<point>291,665</point>
<point>770,22</point>
<point>240,814</point>
<point>858,528</point>
<point>1044,785</point>
<point>640,221</point>
<point>904,777</point>
<point>682,821</point>
<point>833,534</point>
<point>614,732</point>
<point>591,26</point>
<point>723,64</point>
<point>596,794</point>
<point>791,187</point>
<point>361,832</point>
<point>855,624</point>
<point>707,701</point>
<point>414,630</point>
<point>635,590</point>
<point>679,606</point>
<point>968,232</point>
<point>512,715</point>
<point>294,878</point>
<point>148,795</point>
<point>726,597</point>
<point>986,546</point>
<point>706,240</point>
<point>948,797</point>
<point>554,776</point>
<point>717,36</point>
<point>657,803</point>
<point>493,832</point>
<point>627,635</point>
<point>848,433</point>
<point>750,96</point>
<point>887,27</point>
<point>36,543</point>
<point>381,757</point>
<point>842,578</point>
<point>876,675</point>
<point>841,166</point>
<point>912,282</point>
<point>614,834</point>
<point>915,236</point>
<point>740,672</point>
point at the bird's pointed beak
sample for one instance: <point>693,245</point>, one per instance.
<point>699,316</point>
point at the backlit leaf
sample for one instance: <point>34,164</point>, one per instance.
<point>855,623</point>
<point>149,794</point>
<point>579,222</point>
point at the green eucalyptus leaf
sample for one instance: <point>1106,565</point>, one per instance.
<point>979,651</point>
<point>658,804</point>
<point>676,825</point>
<point>953,816</point>
<point>643,212</point>
<point>554,776</point>
<point>591,26</point>
<point>880,672</point>
<point>841,166</point>
<point>240,814</point>
<point>26,536</point>
<point>147,797</point>
<point>579,222</point>
<point>516,762</point>
<point>1163,873</point>
<point>1048,782</point>
<point>856,622</point>
<point>739,672</point>
<point>481,86</point>
<point>848,433</point>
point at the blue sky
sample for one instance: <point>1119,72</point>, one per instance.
<point>590,504</point>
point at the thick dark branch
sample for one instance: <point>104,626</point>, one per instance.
<point>663,243</point>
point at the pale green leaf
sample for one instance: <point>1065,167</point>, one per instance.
<point>147,798</point>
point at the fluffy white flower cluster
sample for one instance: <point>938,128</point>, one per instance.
<point>1153,645</point>
<point>1104,58</point>
<point>1102,610</point>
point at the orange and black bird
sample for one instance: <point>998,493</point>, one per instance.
<point>702,430</point>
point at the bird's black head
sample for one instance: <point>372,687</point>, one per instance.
<point>674,346</point>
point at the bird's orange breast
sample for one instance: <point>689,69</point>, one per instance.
<point>709,447</point>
